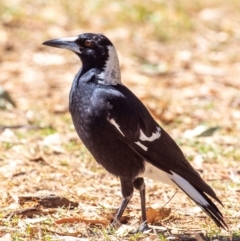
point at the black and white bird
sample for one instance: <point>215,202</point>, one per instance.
<point>121,134</point>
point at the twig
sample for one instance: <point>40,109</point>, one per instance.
<point>170,199</point>
<point>87,221</point>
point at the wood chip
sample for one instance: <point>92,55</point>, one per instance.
<point>48,201</point>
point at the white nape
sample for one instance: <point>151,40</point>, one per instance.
<point>113,122</point>
<point>154,136</point>
<point>141,145</point>
<point>111,74</point>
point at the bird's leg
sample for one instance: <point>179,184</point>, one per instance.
<point>140,186</point>
<point>127,192</point>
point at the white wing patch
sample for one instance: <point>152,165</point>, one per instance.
<point>189,189</point>
<point>141,145</point>
<point>113,122</point>
<point>154,136</point>
<point>111,74</point>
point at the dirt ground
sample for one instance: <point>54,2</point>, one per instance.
<point>181,59</point>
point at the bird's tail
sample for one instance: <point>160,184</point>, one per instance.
<point>202,200</point>
<point>212,210</point>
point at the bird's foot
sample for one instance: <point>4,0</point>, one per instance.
<point>114,225</point>
<point>144,228</point>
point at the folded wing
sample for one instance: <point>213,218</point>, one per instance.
<point>136,127</point>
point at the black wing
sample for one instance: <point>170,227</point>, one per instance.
<point>137,128</point>
<point>133,119</point>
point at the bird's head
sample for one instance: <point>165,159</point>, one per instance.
<point>95,51</point>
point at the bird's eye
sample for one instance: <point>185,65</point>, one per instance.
<point>88,43</point>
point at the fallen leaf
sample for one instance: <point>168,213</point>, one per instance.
<point>67,235</point>
<point>47,201</point>
<point>173,238</point>
<point>200,131</point>
<point>208,70</point>
<point>6,237</point>
<point>69,238</point>
<point>6,99</point>
<point>35,220</point>
<point>124,230</point>
<point>87,221</point>
<point>208,132</point>
<point>154,215</point>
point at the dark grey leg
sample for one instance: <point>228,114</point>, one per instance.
<point>127,192</point>
<point>140,186</point>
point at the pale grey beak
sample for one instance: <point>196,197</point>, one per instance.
<point>64,43</point>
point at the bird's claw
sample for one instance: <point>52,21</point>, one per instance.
<point>142,229</point>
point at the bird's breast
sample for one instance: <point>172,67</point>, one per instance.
<point>88,118</point>
<point>89,110</point>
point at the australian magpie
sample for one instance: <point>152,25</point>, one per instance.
<point>121,134</point>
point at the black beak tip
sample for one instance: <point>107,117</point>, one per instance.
<point>47,43</point>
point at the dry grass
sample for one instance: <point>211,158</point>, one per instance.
<point>180,57</point>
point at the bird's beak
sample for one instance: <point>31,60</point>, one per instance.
<point>64,43</point>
